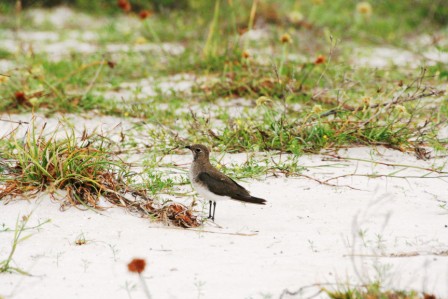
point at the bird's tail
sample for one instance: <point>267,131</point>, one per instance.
<point>256,200</point>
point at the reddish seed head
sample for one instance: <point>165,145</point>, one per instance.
<point>320,59</point>
<point>137,265</point>
<point>111,64</point>
<point>144,14</point>
<point>127,7</point>
<point>124,5</point>
<point>20,97</point>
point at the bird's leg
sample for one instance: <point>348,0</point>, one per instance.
<point>214,208</point>
<point>209,209</point>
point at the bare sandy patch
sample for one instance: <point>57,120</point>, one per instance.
<point>384,57</point>
<point>60,124</point>
<point>149,87</point>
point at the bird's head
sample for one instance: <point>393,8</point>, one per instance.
<point>199,151</point>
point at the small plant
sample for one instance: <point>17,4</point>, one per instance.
<point>20,227</point>
<point>374,291</point>
<point>285,39</point>
<point>81,240</point>
<point>138,266</point>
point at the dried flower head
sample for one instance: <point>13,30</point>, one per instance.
<point>286,39</point>
<point>3,79</point>
<point>137,265</point>
<point>295,17</point>
<point>245,54</point>
<point>124,5</point>
<point>264,101</point>
<point>320,59</point>
<point>317,109</point>
<point>401,109</point>
<point>141,40</point>
<point>34,101</point>
<point>364,8</point>
<point>366,100</point>
<point>144,14</point>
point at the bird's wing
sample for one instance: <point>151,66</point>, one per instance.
<point>223,185</point>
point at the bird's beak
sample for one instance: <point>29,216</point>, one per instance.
<point>189,147</point>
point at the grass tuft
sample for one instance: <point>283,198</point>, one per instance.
<point>375,291</point>
<point>47,163</point>
<point>85,170</point>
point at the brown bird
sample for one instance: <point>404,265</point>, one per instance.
<point>213,185</point>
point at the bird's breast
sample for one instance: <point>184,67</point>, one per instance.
<point>201,189</point>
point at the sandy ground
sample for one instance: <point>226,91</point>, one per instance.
<point>360,228</point>
<point>392,228</point>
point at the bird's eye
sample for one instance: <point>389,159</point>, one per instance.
<point>198,150</point>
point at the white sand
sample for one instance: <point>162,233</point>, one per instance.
<point>386,57</point>
<point>302,236</point>
<point>144,88</point>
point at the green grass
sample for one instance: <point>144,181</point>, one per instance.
<point>8,265</point>
<point>5,265</point>
<point>374,291</point>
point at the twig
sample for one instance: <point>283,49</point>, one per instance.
<point>301,289</point>
<point>97,73</point>
<point>329,184</point>
<point>374,176</point>
<point>395,101</point>
<point>206,231</point>
<point>403,254</point>
<point>387,164</point>
<point>15,121</point>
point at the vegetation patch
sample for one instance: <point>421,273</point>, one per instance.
<point>375,291</point>
<point>372,290</point>
<point>85,170</point>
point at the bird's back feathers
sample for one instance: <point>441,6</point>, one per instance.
<point>222,185</point>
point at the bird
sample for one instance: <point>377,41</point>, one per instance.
<point>212,184</point>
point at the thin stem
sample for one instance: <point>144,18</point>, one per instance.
<point>206,51</point>
<point>145,287</point>
<point>250,25</point>
<point>282,61</point>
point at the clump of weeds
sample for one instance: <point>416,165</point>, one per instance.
<point>375,291</point>
<point>82,167</point>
